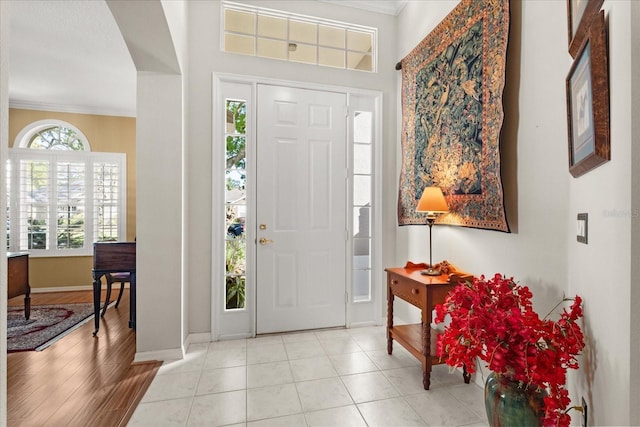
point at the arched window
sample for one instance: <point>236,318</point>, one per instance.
<point>62,196</point>
<point>52,135</point>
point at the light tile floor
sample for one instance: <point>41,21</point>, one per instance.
<point>320,378</point>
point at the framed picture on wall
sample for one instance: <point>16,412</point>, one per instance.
<point>579,16</point>
<point>588,103</point>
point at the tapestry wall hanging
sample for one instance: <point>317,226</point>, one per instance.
<point>452,114</point>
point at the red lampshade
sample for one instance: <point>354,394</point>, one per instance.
<point>432,202</point>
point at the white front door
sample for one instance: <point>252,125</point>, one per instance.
<point>300,204</point>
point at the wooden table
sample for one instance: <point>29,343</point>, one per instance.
<point>18,279</point>
<point>424,292</point>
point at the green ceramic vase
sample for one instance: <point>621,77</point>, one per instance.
<point>509,405</point>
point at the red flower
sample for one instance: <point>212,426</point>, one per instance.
<point>494,321</point>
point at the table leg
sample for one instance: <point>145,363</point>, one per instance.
<point>96,304</point>
<point>27,305</point>
<point>426,379</point>
<point>426,352</point>
<point>389,321</point>
<point>132,302</point>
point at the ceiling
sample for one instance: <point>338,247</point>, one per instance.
<point>69,56</point>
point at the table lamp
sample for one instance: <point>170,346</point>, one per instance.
<point>433,204</point>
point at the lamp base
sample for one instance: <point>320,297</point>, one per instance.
<point>431,272</point>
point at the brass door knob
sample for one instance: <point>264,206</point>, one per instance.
<point>264,241</point>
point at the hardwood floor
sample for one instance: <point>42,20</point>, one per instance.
<point>79,380</point>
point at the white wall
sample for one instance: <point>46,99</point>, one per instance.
<point>543,199</point>
<point>600,271</point>
<point>159,228</point>
<point>634,301</point>
<point>4,147</point>
<point>159,173</point>
<point>206,58</point>
<point>176,15</point>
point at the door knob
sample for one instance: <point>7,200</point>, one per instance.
<point>264,241</point>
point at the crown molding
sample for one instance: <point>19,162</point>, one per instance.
<point>387,7</point>
<point>60,108</point>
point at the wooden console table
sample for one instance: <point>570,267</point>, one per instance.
<point>423,292</point>
<point>18,279</point>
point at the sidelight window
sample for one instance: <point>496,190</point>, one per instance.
<point>235,204</point>
<point>362,204</point>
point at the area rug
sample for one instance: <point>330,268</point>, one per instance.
<point>46,325</point>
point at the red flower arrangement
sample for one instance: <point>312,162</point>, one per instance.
<point>494,321</point>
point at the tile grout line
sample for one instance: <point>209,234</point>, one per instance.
<point>332,363</point>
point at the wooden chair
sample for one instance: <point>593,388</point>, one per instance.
<point>109,259</point>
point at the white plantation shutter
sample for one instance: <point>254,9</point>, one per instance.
<point>64,201</point>
<point>106,200</point>
<point>70,197</point>
<point>34,202</point>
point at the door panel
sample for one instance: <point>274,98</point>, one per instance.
<point>301,199</point>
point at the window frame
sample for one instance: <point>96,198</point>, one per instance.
<point>28,132</point>
<point>240,239</point>
<point>54,158</point>
<point>289,16</point>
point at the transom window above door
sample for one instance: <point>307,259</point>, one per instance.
<point>286,36</point>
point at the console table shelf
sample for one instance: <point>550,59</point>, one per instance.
<point>424,292</point>
<point>410,337</point>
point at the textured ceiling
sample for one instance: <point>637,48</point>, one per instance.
<point>70,56</point>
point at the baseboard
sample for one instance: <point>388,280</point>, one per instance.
<point>171,354</point>
<point>234,336</point>
<point>364,324</point>
<point>73,288</point>
<point>198,338</point>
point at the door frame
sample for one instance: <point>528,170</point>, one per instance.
<point>242,323</point>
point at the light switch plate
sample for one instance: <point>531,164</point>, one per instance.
<point>583,227</point>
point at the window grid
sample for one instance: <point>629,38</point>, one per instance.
<point>345,50</point>
<point>362,166</point>
<point>56,138</point>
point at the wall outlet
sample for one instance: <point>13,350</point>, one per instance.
<point>585,413</point>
